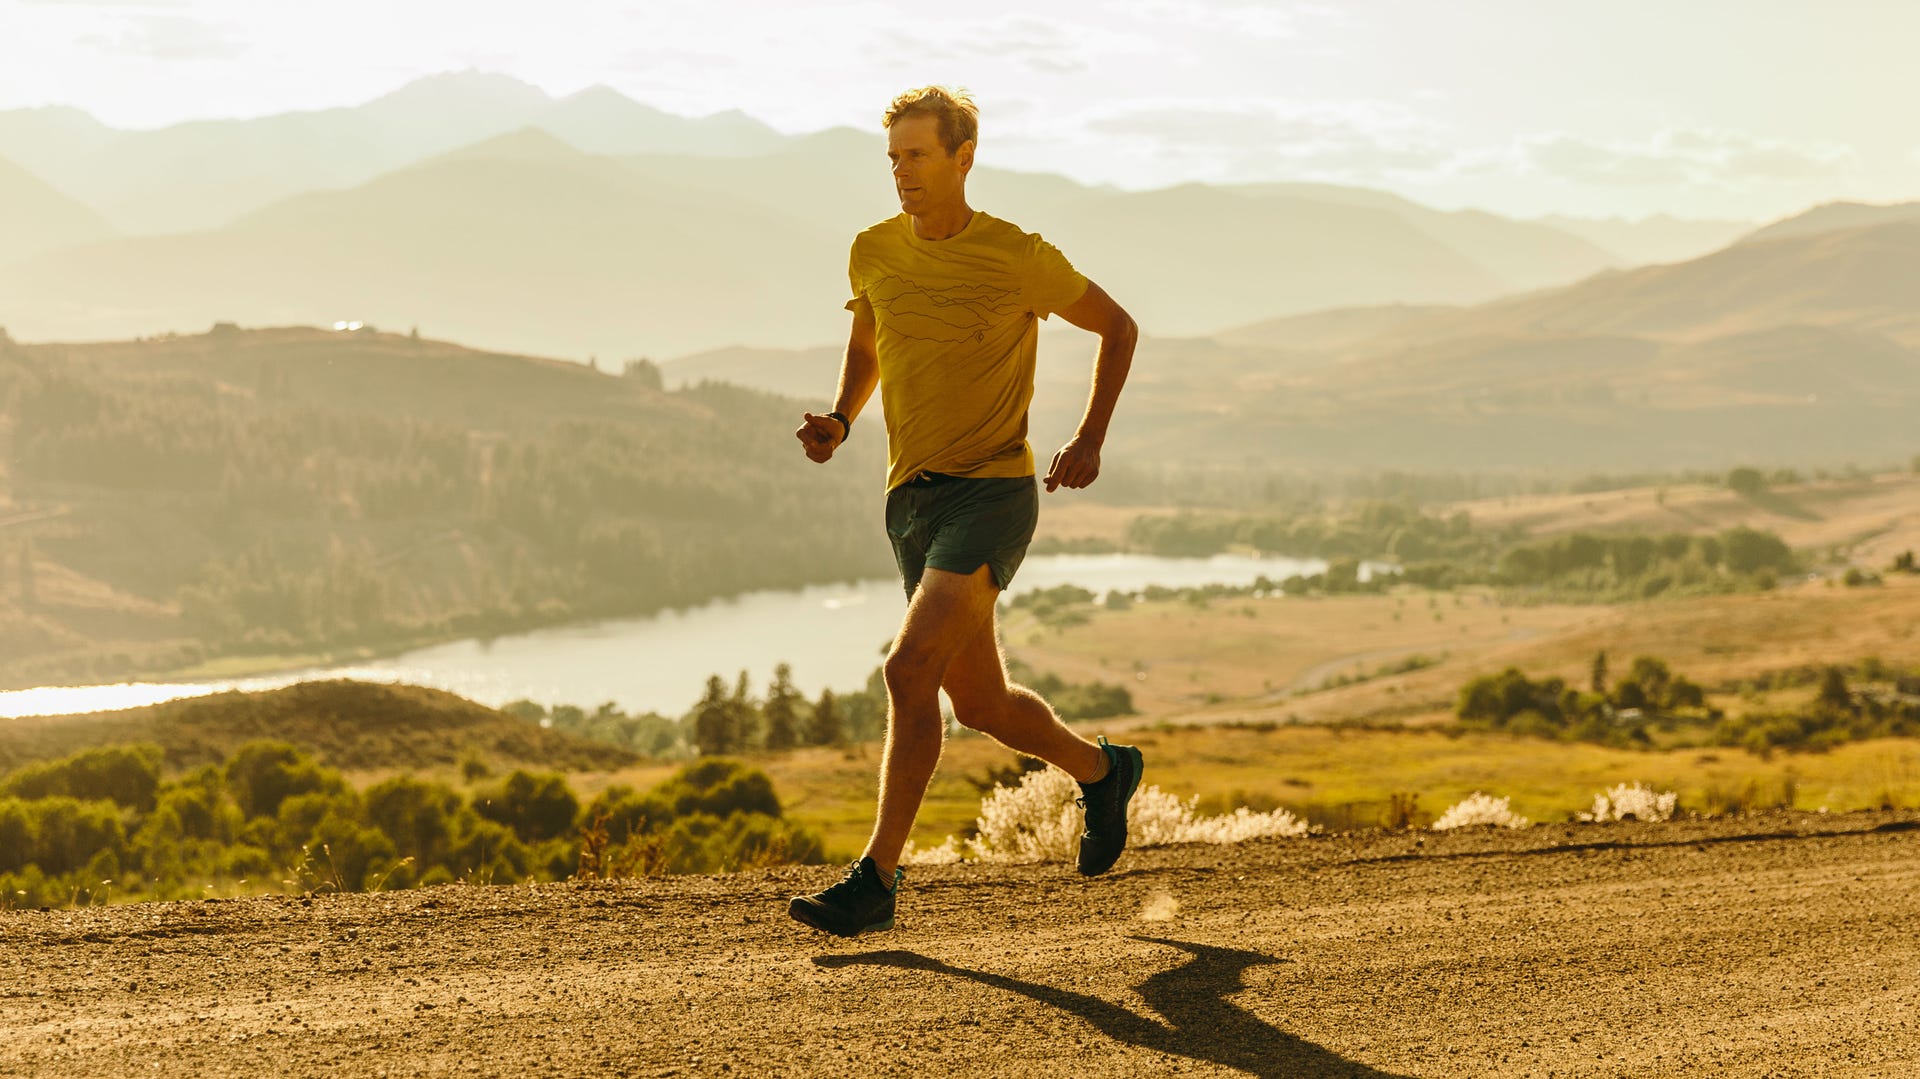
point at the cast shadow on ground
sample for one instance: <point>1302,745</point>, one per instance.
<point>1200,1022</point>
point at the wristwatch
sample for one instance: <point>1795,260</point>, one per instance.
<point>846,425</point>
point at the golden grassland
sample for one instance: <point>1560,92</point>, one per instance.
<point>1175,655</point>
<point>1266,660</point>
<point>1264,747</point>
<point>1348,778</point>
<point>1869,519</point>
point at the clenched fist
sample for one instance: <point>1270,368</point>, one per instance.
<point>820,436</point>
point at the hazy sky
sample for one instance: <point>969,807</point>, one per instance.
<point>1748,108</point>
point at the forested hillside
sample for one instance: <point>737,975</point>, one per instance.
<point>300,490</point>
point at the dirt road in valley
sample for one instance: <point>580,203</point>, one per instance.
<point>1776,945</point>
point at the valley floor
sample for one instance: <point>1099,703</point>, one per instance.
<point>1764,945</point>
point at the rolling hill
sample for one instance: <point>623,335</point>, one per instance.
<point>1836,217</point>
<point>1804,350</point>
<point>355,726</point>
<point>34,217</point>
<point>300,492</point>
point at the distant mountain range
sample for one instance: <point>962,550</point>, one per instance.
<point>34,217</point>
<point>203,174</point>
<point>1801,349</point>
<point>481,209</point>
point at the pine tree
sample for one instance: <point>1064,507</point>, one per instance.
<point>713,732</point>
<point>783,720</point>
<point>828,728</point>
<point>1599,680</point>
<point>748,728</point>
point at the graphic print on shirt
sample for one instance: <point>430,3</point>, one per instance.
<point>953,314</point>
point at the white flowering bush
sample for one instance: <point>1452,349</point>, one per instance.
<point>945,854</point>
<point>1479,809</point>
<point>1633,802</point>
<point>1038,821</point>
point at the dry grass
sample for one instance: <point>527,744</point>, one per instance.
<point>1175,657</point>
<point>1348,778</point>
<point>1872,519</point>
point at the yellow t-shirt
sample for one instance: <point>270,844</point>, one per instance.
<point>959,325</point>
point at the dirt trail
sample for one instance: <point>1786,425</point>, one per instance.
<point>1776,945</point>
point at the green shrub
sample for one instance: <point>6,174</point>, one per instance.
<point>264,774</point>
<point>417,818</point>
<point>69,833</point>
<point>537,807</point>
<point>126,775</point>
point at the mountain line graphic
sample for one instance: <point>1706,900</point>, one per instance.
<point>952,314</point>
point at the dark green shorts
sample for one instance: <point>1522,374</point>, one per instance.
<point>958,524</point>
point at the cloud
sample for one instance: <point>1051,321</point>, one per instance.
<point>1267,19</point>
<point>1045,45</point>
<point>1687,156</point>
<point>1337,140</point>
<point>168,37</point>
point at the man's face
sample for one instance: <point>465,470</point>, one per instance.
<point>924,175</point>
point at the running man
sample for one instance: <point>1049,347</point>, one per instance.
<point>946,305</point>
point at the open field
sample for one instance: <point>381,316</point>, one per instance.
<point>1774,945</point>
<point>1345,778</point>
<point>1869,519</point>
<point>1221,663</point>
<point>1174,655</point>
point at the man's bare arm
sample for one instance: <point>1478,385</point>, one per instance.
<point>859,374</point>
<point>1078,462</point>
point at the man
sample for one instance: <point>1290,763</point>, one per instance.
<point>946,308</point>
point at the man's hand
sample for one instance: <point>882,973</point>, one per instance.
<point>1076,465</point>
<point>820,436</point>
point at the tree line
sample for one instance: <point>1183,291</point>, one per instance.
<point>731,718</point>
<point>1651,706</point>
<point>106,823</point>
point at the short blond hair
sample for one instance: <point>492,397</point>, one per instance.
<point>958,116</point>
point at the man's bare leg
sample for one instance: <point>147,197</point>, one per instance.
<point>947,610</point>
<point>1012,714</point>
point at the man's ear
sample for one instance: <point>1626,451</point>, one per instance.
<point>964,155</point>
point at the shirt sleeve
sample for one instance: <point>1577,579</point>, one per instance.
<point>1051,281</point>
<point>854,278</point>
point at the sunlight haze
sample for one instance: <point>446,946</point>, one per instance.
<point>1708,109</point>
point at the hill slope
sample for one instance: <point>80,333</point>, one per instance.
<point>1621,949</point>
<point>353,726</point>
<point>297,491</point>
<point>34,217</point>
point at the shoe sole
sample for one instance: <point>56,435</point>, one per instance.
<point>802,913</point>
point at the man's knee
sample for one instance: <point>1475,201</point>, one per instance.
<point>909,671</point>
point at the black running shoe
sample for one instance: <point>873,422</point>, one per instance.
<point>1106,806</point>
<point>860,903</point>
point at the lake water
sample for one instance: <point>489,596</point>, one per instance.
<point>833,636</point>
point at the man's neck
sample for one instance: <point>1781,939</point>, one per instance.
<point>944,223</point>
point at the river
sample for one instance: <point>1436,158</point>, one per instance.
<point>832,635</point>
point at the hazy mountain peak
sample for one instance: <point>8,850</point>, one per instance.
<point>524,144</point>
<point>35,217</point>
<point>462,89</point>
<point>1836,217</point>
<point>68,117</point>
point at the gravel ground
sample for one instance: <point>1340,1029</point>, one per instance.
<point>1777,945</point>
